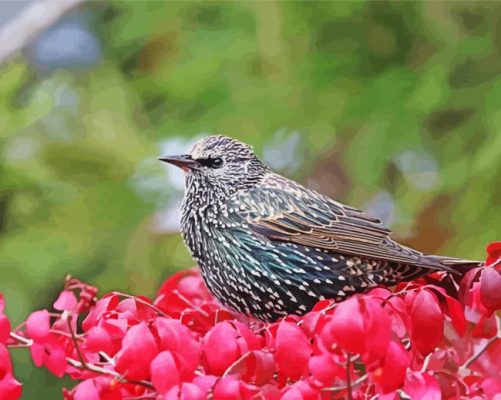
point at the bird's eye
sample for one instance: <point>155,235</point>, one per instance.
<point>211,162</point>
<point>216,162</point>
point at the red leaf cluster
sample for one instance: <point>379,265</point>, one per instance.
<point>426,341</point>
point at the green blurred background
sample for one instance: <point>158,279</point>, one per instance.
<point>392,107</point>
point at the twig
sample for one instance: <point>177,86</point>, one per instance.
<point>144,396</point>
<point>189,303</point>
<point>455,377</point>
<point>75,341</point>
<point>348,378</point>
<point>22,339</point>
<point>229,370</point>
<point>104,371</point>
<point>145,303</point>
<point>426,362</point>
<point>345,387</point>
<point>475,356</point>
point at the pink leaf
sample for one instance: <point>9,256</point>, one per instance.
<point>491,387</point>
<point>38,325</point>
<point>65,301</point>
<point>490,289</point>
<point>55,359</point>
<point>185,391</point>
<point>37,354</point>
<point>292,350</point>
<point>390,376</point>
<point>205,383</point>
<point>138,351</point>
<point>164,372</point>
<point>228,388</point>
<point>300,390</point>
<point>347,326</point>
<point>99,339</point>
<point>260,367</point>
<point>86,391</point>
<point>220,348</point>
<point>101,307</point>
<point>422,386</point>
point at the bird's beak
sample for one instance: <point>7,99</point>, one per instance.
<point>185,162</point>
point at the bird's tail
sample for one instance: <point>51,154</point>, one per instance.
<point>451,264</point>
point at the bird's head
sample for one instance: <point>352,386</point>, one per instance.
<point>221,163</point>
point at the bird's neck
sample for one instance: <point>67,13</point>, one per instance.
<point>199,199</point>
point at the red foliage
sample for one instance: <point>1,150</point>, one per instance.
<point>420,340</point>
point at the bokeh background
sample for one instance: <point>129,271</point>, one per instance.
<point>392,107</point>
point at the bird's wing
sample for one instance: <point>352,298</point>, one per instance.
<point>282,210</point>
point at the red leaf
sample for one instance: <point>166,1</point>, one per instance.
<point>5,363</point>
<point>494,252</point>
<point>164,372</point>
<point>220,348</point>
<point>427,322</point>
<point>4,328</point>
<point>377,328</point>
<point>324,369</point>
<point>456,313</point>
<point>464,294</point>
<point>246,340</point>
<point>101,307</point>
<point>10,388</point>
<point>422,386</point>
<point>260,367</point>
<point>292,350</point>
<point>346,327</point>
<point>486,327</point>
<point>178,339</point>
<point>490,289</point>
<point>390,376</point>
<point>138,350</point>
<point>38,325</point>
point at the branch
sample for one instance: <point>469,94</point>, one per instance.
<point>104,371</point>
<point>33,20</point>
<point>475,356</point>
<point>348,378</point>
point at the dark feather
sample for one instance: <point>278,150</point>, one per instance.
<point>290,213</point>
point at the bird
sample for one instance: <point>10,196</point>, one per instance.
<point>268,247</point>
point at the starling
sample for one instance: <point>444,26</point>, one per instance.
<point>267,246</point>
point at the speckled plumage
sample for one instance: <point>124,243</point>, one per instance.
<point>268,247</point>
